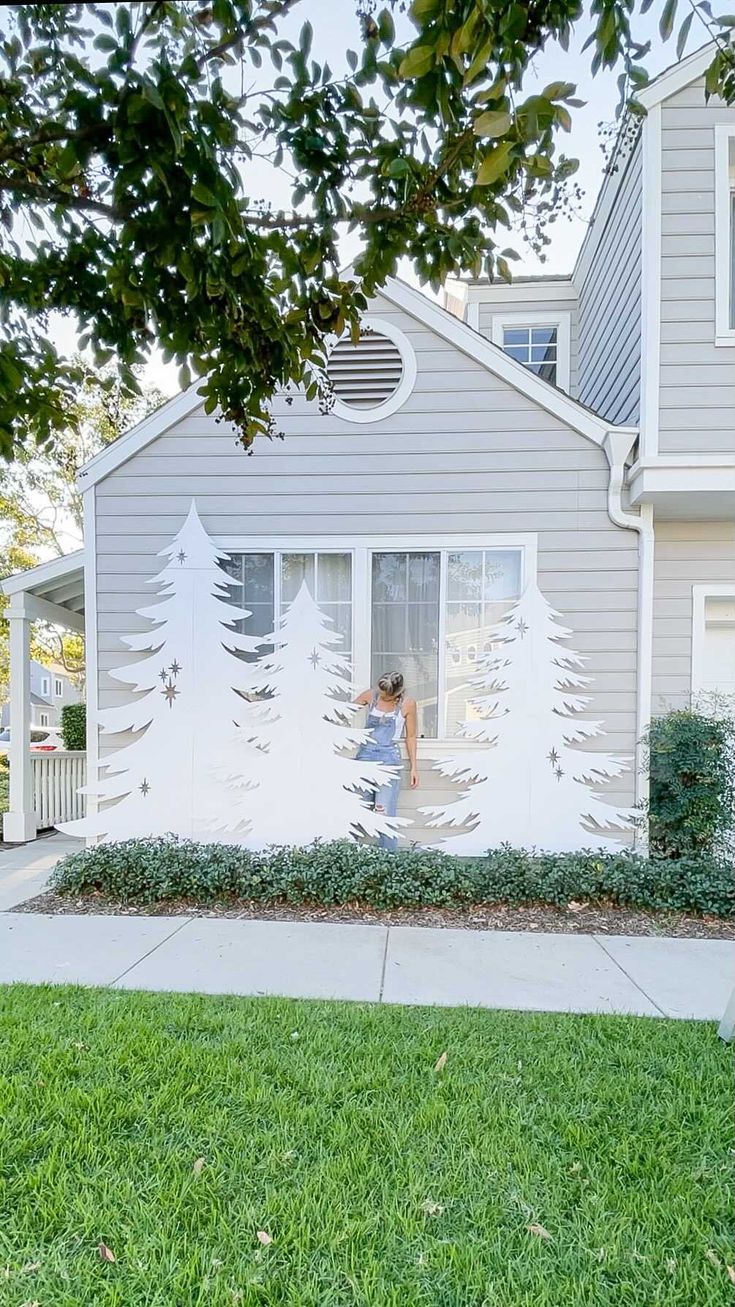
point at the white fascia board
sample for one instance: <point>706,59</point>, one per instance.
<point>114,455</point>
<point>510,292</point>
<point>706,474</point>
<point>57,569</point>
<point>678,76</point>
<point>501,365</point>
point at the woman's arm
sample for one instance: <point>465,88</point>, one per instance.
<point>410,715</point>
<point>365,697</point>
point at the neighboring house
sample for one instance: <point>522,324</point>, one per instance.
<point>570,443</point>
<point>50,688</point>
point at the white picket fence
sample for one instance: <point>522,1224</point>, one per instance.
<point>57,778</point>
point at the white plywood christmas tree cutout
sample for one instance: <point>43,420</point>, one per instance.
<point>187,708</point>
<point>527,784</point>
<point>309,784</point>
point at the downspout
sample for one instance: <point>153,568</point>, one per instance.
<point>618,443</point>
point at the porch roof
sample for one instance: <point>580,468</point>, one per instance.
<point>52,592</point>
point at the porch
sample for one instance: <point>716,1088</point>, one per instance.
<point>43,786</point>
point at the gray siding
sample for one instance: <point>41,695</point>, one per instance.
<point>697,401</point>
<point>504,300</point>
<point>610,304</point>
<point>465,454</point>
<point>686,554</point>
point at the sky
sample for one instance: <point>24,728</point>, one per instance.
<point>336,29</point>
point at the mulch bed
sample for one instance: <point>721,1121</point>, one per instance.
<point>574,919</point>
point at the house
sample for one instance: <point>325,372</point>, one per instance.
<point>525,500</point>
<point>50,688</point>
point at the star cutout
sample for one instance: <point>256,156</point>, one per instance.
<point>522,627</point>
<point>558,773</point>
<point>163,674</point>
<point>553,757</point>
<point>144,787</point>
<point>170,693</point>
<point>175,668</point>
<point>181,556</point>
<point>315,658</point>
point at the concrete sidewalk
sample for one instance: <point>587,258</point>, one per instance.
<point>397,964</point>
<point>415,965</point>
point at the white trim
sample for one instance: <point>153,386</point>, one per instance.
<point>58,693</point>
<point>46,686</point>
<point>678,76</point>
<point>475,346</point>
<point>36,608</point>
<point>700,595</point>
<point>651,283</point>
<point>724,236</point>
<point>408,380</point>
<point>710,474</point>
<point>375,540</point>
<point>56,569</point>
<point>90,644</point>
<point>41,716</point>
<point>562,320</point>
<point>493,292</point>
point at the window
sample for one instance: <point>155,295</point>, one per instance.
<point>265,583</point>
<point>541,342</point>
<point>725,234</point>
<point>428,613</point>
<point>58,687</point>
<point>713,642</point>
<point>43,719</point>
<point>46,686</point>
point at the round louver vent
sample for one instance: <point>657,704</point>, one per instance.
<point>366,375</point>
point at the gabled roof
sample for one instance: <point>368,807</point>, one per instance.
<point>678,76</point>
<point>556,402</point>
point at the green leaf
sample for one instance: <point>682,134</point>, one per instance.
<point>681,40</point>
<point>418,61</point>
<point>105,42</point>
<point>666,21</point>
<point>203,195</point>
<point>494,122</point>
<point>494,164</point>
<point>421,9</point>
<point>559,90</point>
<point>398,168</point>
<point>386,27</point>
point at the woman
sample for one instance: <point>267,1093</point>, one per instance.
<point>391,715</point>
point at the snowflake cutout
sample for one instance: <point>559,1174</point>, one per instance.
<point>170,693</point>
<point>521,627</point>
<point>163,675</point>
<point>553,757</point>
<point>181,556</point>
<point>558,773</point>
<point>144,787</point>
<point>175,668</point>
<point>315,658</point>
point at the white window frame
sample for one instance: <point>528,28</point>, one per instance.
<point>562,320</point>
<point>43,719</point>
<point>724,236</point>
<point>46,686</point>
<point>58,687</point>
<point>405,386</point>
<point>361,549</point>
<point>700,595</point>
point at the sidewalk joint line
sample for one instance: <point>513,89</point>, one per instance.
<point>385,959</point>
<point>620,967</point>
<point>143,956</point>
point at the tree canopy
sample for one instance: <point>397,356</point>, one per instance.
<point>127,138</point>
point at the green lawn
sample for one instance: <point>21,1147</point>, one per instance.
<point>379,1179</point>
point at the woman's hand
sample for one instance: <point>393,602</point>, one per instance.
<point>414,779</point>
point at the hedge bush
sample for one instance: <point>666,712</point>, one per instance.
<point>74,725</point>
<point>151,870</point>
<point>691,808</point>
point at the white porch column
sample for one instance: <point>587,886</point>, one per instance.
<point>19,823</point>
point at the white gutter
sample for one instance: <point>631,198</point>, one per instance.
<point>617,445</point>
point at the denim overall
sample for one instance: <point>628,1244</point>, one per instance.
<point>383,747</point>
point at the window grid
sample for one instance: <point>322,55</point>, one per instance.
<point>535,347</point>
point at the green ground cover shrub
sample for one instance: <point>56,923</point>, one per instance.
<point>342,871</point>
<point>74,725</point>
<point>691,759</point>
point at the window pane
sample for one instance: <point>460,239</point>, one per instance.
<point>341,618</point>
<point>542,353</point>
<point>518,352</point>
<point>469,623</point>
<point>464,575</point>
<point>296,568</point>
<point>544,336</point>
<point>546,370</point>
<point>254,592</point>
<point>405,626</point>
<point>333,578</point>
<point>515,336</point>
